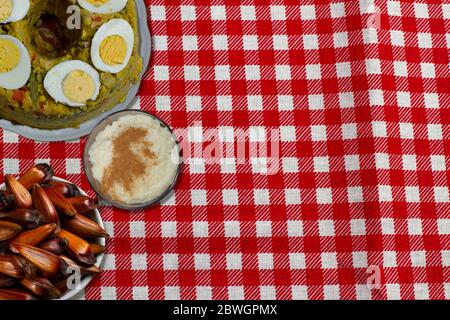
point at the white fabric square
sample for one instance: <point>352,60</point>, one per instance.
<point>248,13</point>
<point>349,131</point>
<point>232,229</point>
<point>387,226</point>
<point>160,43</point>
<point>220,42</point>
<point>195,134</point>
<point>188,13</point>
<point>73,166</point>
<point>236,293</point>
<point>268,293</point>
<point>200,229</point>
<point>198,197</point>
<point>316,102</point>
<point>352,162</point>
<point>403,99</point>
<point>343,69</point>
<point>379,129</point>
<point>441,194</point>
<point>421,10</point>
<point>190,43</point>
<point>401,68</point>
<point>10,137</point>
<point>337,10</point>
<point>321,164</point>
<point>414,227</point>
<point>397,38</point>
<point>324,196</point>
<point>355,194</point>
<point>359,259</point>
<point>292,196</point>
<point>385,193</point>
<point>202,261</point>
<point>196,165</point>
<point>194,103</point>
<point>226,134</point>
<point>224,103</point>
<point>412,194</point>
<point>438,163</point>
<point>137,229</point>
<point>346,100</point>
<point>329,260</point>
<point>373,66</point>
<point>252,72</point>
<point>161,73</point>
<point>295,228</point>
<point>357,227</point>
<point>218,13</point>
<point>370,36</point>
<point>310,42</point>
<point>301,293</point>
<point>280,42</point>
<point>431,100</point>
<point>418,259</point>
<point>290,165</point>
<point>255,103</point>
<point>285,103</point>
<point>382,161</point>
<point>313,72</point>
<point>434,131</point>
<point>326,228</point>
<point>108,293</point>
<point>204,293</point>
<point>393,291</point>
<point>172,293</point>
<point>140,293</point>
<point>331,292</point>
<point>222,72</point>
<point>169,229</point>
<point>11,166</point>
<point>406,130</point>
<point>308,12</point>
<point>427,70</point>
<point>376,98</point>
<point>158,13</point>
<point>234,261</point>
<point>162,103</point>
<point>109,262</point>
<point>228,165</point>
<point>265,261</point>
<point>139,262</point>
<point>389,259</point>
<point>394,8</point>
<point>421,291</point>
<point>297,261</point>
<point>409,162</point>
<point>340,40</point>
<point>278,13</point>
<point>288,134</point>
<point>263,229</point>
<point>250,42</point>
<point>230,197</point>
<point>283,72</point>
<point>170,261</point>
<point>319,133</point>
<point>424,40</point>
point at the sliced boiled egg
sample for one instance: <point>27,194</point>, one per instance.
<point>112,46</point>
<point>103,6</point>
<point>72,83</point>
<point>15,63</point>
<point>13,10</point>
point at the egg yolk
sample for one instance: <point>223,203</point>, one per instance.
<point>113,50</point>
<point>78,86</point>
<point>5,9</point>
<point>97,3</point>
<point>9,55</point>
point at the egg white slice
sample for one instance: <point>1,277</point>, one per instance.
<point>118,27</point>
<point>54,79</point>
<point>17,77</point>
<point>111,6</point>
<point>19,11</point>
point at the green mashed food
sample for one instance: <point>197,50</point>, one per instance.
<point>31,105</point>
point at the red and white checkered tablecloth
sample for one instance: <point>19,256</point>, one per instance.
<point>358,92</point>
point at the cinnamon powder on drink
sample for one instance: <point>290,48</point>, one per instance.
<point>128,165</point>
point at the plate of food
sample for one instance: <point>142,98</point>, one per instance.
<point>52,238</point>
<point>69,64</point>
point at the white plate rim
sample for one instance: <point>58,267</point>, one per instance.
<point>100,258</point>
<point>86,127</point>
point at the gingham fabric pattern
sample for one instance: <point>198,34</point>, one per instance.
<point>358,92</point>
